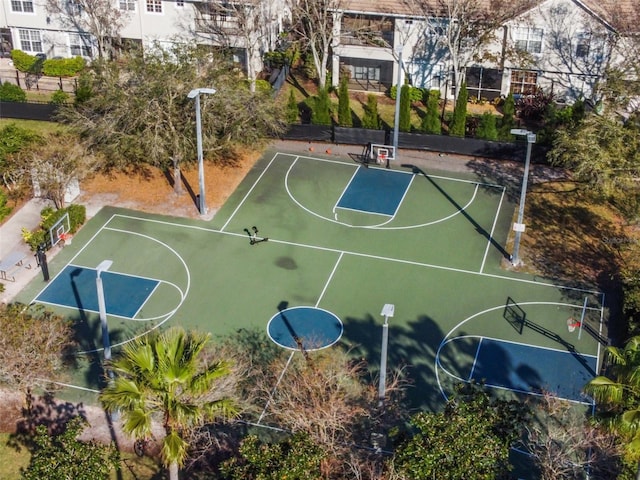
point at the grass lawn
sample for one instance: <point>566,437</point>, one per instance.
<point>35,125</point>
<point>132,467</point>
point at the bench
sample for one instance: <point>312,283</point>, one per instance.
<point>10,264</point>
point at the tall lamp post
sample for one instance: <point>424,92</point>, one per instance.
<point>387,312</point>
<point>396,121</point>
<point>102,309</point>
<point>195,93</point>
<point>519,227</point>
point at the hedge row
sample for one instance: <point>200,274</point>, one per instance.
<point>54,67</point>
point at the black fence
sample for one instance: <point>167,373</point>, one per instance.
<point>416,141</point>
<point>28,111</point>
<point>342,135</point>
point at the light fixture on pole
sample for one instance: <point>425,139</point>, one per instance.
<point>102,309</point>
<point>396,121</point>
<point>195,93</point>
<point>387,312</point>
<point>519,227</point>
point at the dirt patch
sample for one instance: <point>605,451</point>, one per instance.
<point>153,191</point>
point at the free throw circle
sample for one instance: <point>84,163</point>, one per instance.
<point>307,328</point>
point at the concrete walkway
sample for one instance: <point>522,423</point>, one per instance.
<point>28,216</point>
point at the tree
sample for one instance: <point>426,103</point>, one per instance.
<point>139,112</point>
<point>459,120</point>
<point>563,444</point>
<point>321,110</point>
<point>102,19</point>
<point>371,118</point>
<point>619,396</point>
<point>54,165</point>
<point>507,122</point>
<point>313,23</point>
<point>62,456</point>
<point>295,458</point>
<point>344,109</point>
<point>431,121</point>
<point>34,346</point>
<point>405,109</point>
<point>13,139</point>
<point>292,108</point>
<point>470,439</point>
<point>163,376</point>
<point>487,128</point>
<point>464,27</point>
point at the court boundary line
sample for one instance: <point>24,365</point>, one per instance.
<point>475,359</point>
<point>326,285</point>
<point>264,411</point>
<point>493,228</point>
<point>344,190</point>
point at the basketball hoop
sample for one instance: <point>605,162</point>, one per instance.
<point>383,155</point>
<point>572,324</point>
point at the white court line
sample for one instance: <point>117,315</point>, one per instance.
<point>145,301</point>
<point>477,314</point>
<point>475,360</point>
<point>495,221</point>
<point>361,211</point>
<point>326,285</point>
<point>264,411</point>
<point>344,190</point>
<point>249,192</point>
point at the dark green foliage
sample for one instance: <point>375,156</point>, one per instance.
<point>77,216</point>
<point>470,439</point>
<point>13,139</point>
<point>292,108</point>
<point>296,458</point>
<point>405,109</point>
<point>63,67</point>
<point>321,110</point>
<point>12,93</point>
<point>431,121</point>
<point>49,216</point>
<point>63,457</point>
<point>59,97</point>
<point>371,118</point>
<point>344,109</point>
<point>508,121</point>
<point>487,128</point>
<point>459,121</point>
<point>4,208</point>
<point>85,88</point>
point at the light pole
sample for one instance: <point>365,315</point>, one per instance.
<point>387,312</point>
<point>195,93</point>
<point>519,227</point>
<point>396,121</point>
<point>102,309</point>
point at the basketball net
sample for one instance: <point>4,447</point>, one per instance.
<point>572,324</point>
<point>382,158</point>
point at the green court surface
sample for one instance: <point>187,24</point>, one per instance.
<point>436,257</point>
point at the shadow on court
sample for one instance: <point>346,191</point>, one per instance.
<point>457,206</point>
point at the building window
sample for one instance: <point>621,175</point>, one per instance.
<point>154,6</point>
<point>30,41</point>
<point>582,45</point>
<point>524,82</point>
<point>128,5</point>
<point>180,3</point>
<point>371,74</point>
<point>73,8</point>
<point>529,39</point>
<point>25,6</point>
<point>80,45</point>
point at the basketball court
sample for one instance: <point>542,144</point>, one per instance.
<point>308,250</point>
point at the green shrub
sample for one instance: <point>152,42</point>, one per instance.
<point>487,128</point>
<point>263,86</point>
<point>508,122</point>
<point>5,210</point>
<point>84,91</point>
<point>415,94</point>
<point>431,121</point>
<point>344,109</point>
<point>12,93</point>
<point>63,67</point>
<point>23,61</point>
<point>49,216</point>
<point>405,109</point>
<point>459,121</point>
<point>59,97</point>
<point>292,108</point>
<point>321,108</point>
<point>371,117</point>
<point>77,216</point>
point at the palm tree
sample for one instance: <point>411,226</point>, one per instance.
<point>620,395</point>
<point>163,376</point>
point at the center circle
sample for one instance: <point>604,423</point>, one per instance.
<point>306,328</point>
